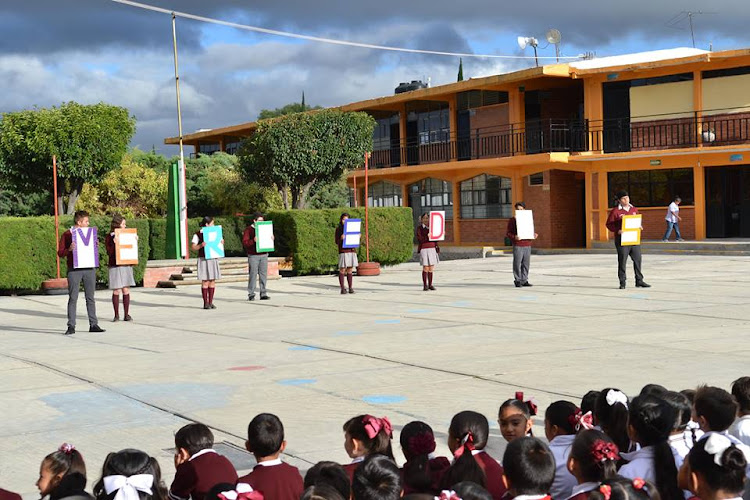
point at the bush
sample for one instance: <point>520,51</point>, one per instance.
<point>28,249</point>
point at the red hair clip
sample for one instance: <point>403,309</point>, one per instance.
<point>467,443</point>
<point>638,483</point>
<point>603,451</point>
<point>422,444</point>
<point>66,448</point>
<point>373,426</point>
<point>606,490</point>
<point>530,404</point>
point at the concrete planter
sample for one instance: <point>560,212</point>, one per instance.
<point>368,269</point>
<point>55,286</point>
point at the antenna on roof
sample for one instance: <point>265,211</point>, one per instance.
<point>523,41</point>
<point>686,15</point>
<point>553,36</point>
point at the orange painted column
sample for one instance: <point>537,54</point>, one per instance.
<point>405,194</point>
<point>603,206</point>
<point>593,111</point>
<point>453,134</point>
<point>588,190</point>
<point>456,212</point>
<point>699,194</point>
<point>516,188</point>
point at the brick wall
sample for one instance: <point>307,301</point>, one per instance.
<point>537,198</point>
<point>566,213</point>
<point>490,231</point>
<point>654,224</point>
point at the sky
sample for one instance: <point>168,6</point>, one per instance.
<point>54,51</point>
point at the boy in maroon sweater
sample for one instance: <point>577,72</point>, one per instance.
<point>614,224</point>
<point>521,251</point>
<point>272,477</point>
<point>199,467</point>
<point>257,263</point>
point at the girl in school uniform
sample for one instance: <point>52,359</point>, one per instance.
<point>593,458</point>
<point>514,417</point>
<point>611,411</point>
<point>428,251</point>
<point>422,471</point>
<point>62,475</point>
<point>561,422</point>
<point>208,269</point>
<point>347,258</point>
<point>365,435</point>
<point>120,277</point>
<point>715,468</point>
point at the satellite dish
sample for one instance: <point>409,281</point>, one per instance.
<point>522,41</point>
<point>553,36</point>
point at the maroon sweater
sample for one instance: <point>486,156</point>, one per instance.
<point>248,241</point>
<point>437,466</point>
<point>109,243</point>
<point>196,477</point>
<point>423,238</point>
<point>513,232</point>
<point>63,248</point>
<point>493,471</point>
<point>614,219</point>
<point>277,482</point>
<point>340,242</point>
<point>9,495</point>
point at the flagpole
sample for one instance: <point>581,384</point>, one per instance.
<point>181,174</point>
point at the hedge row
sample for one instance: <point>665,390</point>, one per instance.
<point>28,249</point>
<point>27,244</point>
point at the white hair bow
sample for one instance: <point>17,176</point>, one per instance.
<point>614,397</point>
<point>717,444</point>
<point>127,488</point>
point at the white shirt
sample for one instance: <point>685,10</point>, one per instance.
<point>680,444</point>
<point>741,429</point>
<point>202,452</point>
<point>641,464</point>
<point>673,207</point>
<point>269,463</point>
<point>195,239</point>
<point>583,488</point>
<point>564,481</point>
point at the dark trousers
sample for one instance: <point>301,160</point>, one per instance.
<point>521,261</point>
<point>634,251</point>
<point>75,276</point>
<point>257,267</point>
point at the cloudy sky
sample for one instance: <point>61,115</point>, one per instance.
<point>52,51</point>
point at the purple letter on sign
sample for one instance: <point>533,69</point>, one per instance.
<point>86,253</point>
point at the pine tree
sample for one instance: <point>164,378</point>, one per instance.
<point>460,70</point>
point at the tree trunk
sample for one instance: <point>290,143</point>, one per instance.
<point>75,192</point>
<point>295,197</point>
<point>284,192</point>
<point>60,204</point>
<point>301,201</point>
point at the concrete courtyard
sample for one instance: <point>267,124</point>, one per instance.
<point>316,358</point>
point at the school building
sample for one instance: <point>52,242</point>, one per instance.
<point>563,138</point>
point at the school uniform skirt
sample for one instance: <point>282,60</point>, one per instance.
<point>121,277</point>
<point>348,259</point>
<point>428,257</point>
<point>208,269</point>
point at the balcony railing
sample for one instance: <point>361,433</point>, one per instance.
<point>573,136</point>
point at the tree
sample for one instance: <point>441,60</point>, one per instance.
<point>295,151</point>
<point>230,194</point>
<point>329,194</point>
<point>289,109</point>
<point>460,70</point>
<point>88,141</point>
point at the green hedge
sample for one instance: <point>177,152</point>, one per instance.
<point>27,244</point>
<point>28,249</point>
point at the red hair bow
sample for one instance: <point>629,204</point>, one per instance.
<point>603,451</point>
<point>448,495</point>
<point>638,483</point>
<point>422,444</point>
<point>529,403</point>
<point>467,443</point>
<point>583,420</point>
<point>373,425</point>
<point>606,490</point>
<point>242,491</point>
<point>66,448</point>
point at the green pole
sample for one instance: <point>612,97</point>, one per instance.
<point>173,215</point>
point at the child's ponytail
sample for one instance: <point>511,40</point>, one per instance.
<point>596,455</point>
<point>612,415</point>
<point>417,442</point>
<point>720,462</point>
<point>68,463</point>
<point>465,466</point>
<point>374,433</point>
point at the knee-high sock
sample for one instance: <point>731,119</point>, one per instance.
<point>424,278</point>
<point>116,304</point>
<point>211,291</point>
<point>349,278</point>
<point>429,278</point>
<point>126,303</point>
<point>341,280</point>
<point>204,292</point>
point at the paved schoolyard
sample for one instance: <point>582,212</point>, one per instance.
<point>316,358</point>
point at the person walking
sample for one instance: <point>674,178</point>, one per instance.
<point>614,224</point>
<point>673,219</point>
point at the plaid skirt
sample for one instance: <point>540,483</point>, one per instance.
<point>121,277</point>
<point>348,259</point>
<point>208,269</point>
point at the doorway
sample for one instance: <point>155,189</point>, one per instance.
<point>728,202</point>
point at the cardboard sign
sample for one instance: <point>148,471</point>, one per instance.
<point>126,247</point>
<point>86,253</point>
<point>631,230</point>
<point>212,236</point>
<point>352,233</point>
<point>437,226</point>
<point>524,224</point>
<point>264,242</point>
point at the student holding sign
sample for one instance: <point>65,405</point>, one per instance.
<point>614,224</point>
<point>428,251</point>
<point>257,254</point>
<point>208,268</point>
<point>80,245</point>
<point>347,256</point>
<point>120,276</point>
<point>521,234</point>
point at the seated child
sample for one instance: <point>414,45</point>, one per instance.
<point>329,473</point>
<point>561,422</point>
<point>422,471</point>
<point>588,404</point>
<point>593,459</point>
<point>273,478</point>
<point>9,495</point>
<point>366,435</point>
<point>467,437</point>
<point>741,426</point>
<point>693,432</point>
<point>514,417</point>
<point>198,466</point>
<point>620,488</point>
<point>322,492</point>
<point>468,490</point>
<point>679,440</point>
<point>612,416</point>
<point>715,468</point>
<point>529,469</point>
<point>130,474</point>
<point>714,409</point>
<point>63,474</point>
<point>377,478</point>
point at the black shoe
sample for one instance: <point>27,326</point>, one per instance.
<point>425,288</point>
<point>622,286</point>
<point>265,297</point>
<point>343,291</point>
<point>251,297</point>
<point>517,283</point>
<point>527,284</point>
<point>211,306</point>
<point>642,284</point>
<point>206,306</point>
<point>128,317</point>
<point>70,331</point>
<point>115,319</point>
<point>351,290</point>
<point>431,287</point>
<point>96,329</point>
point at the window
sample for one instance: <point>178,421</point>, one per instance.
<point>431,194</point>
<point>653,188</point>
<point>232,144</point>
<point>352,197</point>
<point>536,179</point>
<point>486,197</point>
<point>384,194</point>
<point>209,148</point>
